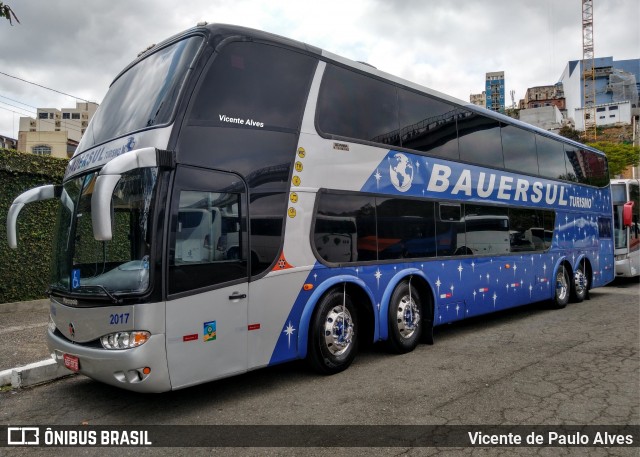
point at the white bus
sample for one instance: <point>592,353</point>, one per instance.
<point>241,200</point>
<point>626,224</point>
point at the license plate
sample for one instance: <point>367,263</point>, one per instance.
<point>71,362</point>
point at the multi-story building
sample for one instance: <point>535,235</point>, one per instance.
<point>537,97</point>
<point>479,99</point>
<point>55,132</point>
<point>616,82</point>
<point>494,89</point>
<point>8,143</point>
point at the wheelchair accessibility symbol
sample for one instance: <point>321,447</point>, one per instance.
<point>75,279</point>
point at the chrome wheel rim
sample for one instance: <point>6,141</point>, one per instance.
<point>338,330</point>
<point>407,317</point>
<point>580,280</point>
<point>562,285</point>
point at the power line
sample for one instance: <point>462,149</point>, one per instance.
<point>44,87</point>
<point>44,121</point>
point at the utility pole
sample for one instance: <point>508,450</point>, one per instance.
<point>588,72</point>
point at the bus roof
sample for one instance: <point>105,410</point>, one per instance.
<point>218,33</point>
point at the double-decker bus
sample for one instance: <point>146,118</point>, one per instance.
<point>241,200</point>
<point>625,194</point>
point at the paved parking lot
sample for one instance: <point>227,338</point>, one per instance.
<point>531,366</point>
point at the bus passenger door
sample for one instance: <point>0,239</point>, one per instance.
<point>206,310</point>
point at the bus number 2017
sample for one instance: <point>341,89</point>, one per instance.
<point>116,319</point>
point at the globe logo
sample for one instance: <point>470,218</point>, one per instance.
<point>401,172</point>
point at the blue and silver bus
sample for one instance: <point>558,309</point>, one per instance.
<point>241,200</point>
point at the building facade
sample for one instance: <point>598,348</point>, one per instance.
<point>55,132</point>
<point>537,97</point>
<point>8,143</point>
<point>479,99</point>
<point>494,89</point>
<point>615,82</point>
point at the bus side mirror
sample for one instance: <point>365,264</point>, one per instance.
<point>32,195</point>
<point>106,183</point>
<point>627,214</point>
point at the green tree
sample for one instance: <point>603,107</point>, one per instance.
<point>7,12</point>
<point>569,132</point>
<point>620,156</point>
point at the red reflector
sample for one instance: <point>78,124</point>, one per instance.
<point>190,337</point>
<point>254,327</point>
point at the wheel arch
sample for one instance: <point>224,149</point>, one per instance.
<point>425,290</point>
<point>357,289</point>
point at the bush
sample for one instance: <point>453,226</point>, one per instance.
<point>25,272</point>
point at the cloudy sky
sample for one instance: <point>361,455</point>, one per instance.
<point>78,46</point>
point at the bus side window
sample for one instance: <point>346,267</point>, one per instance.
<point>450,234</point>
<point>208,241</point>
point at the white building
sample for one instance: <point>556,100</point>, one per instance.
<point>545,117</point>
<point>607,114</point>
<point>616,81</point>
<point>55,132</point>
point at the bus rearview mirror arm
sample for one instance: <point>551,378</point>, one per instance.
<point>108,180</point>
<point>32,195</point>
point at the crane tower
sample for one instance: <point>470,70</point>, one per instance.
<point>588,72</point>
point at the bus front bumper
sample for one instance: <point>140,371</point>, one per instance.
<point>141,369</point>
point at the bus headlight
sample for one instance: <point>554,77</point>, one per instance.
<point>124,340</point>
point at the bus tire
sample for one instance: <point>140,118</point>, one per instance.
<point>405,319</point>
<point>580,285</point>
<point>333,341</point>
<point>562,289</point>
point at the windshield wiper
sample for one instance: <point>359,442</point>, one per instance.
<point>102,288</point>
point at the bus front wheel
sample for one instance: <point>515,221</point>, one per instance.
<point>405,319</point>
<point>333,339</point>
<point>562,288</point>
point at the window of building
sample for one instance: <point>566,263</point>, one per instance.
<point>75,115</point>
<point>613,108</point>
<point>41,150</point>
<point>43,115</point>
<point>600,109</point>
<point>66,115</point>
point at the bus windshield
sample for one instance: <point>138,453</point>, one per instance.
<point>82,264</point>
<point>144,96</point>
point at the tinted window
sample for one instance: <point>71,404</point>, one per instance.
<point>266,221</point>
<point>428,125</point>
<point>586,167</point>
<point>406,228</point>
<point>252,85</point>
<point>208,242</point>
<point>526,230</point>
<point>345,228</point>
<point>604,227</point>
<point>487,229</point>
<point>357,106</point>
<point>596,167</point>
<point>519,149</point>
<point>551,158</point>
<point>479,140</point>
<point>144,96</point>
<point>450,237</point>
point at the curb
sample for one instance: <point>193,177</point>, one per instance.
<point>32,374</point>
<point>19,306</point>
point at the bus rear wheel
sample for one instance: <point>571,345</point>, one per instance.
<point>562,288</point>
<point>580,285</point>
<point>333,342</point>
<point>405,319</point>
